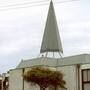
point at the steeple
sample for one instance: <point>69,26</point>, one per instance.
<point>51,40</point>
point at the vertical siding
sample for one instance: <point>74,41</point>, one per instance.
<point>15,80</point>
<point>69,76</point>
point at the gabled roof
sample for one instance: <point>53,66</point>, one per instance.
<point>51,39</point>
<point>52,62</point>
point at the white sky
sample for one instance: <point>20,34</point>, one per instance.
<point>21,30</point>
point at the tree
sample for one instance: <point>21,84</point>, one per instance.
<point>44,77</point>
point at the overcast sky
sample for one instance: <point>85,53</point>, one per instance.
<point>21,29</point>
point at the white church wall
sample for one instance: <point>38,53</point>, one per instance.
<point>87,86</point>
<point>85,66</point>
<point>69,76</point>
<point>15,80</point>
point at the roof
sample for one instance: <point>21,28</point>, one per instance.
<point>53,62</point>
<point>51,40</point>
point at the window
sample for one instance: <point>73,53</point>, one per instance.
<point>85,79</point>
<point>86,75</point>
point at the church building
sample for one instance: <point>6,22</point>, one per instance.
<point>76,69</point>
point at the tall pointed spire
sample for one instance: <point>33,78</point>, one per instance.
<point>51,39</point>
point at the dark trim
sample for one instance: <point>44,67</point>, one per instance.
<point>82,80</point>
<point>87,74</point>
<point>78,72</point>
<point>86,82</point>
<point>85,69</point>
<point>23,78</point>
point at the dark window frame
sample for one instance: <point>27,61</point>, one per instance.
<point>87,81</point>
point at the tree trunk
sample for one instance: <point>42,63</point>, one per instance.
<point>42,88</point>
<point>56,88</point>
